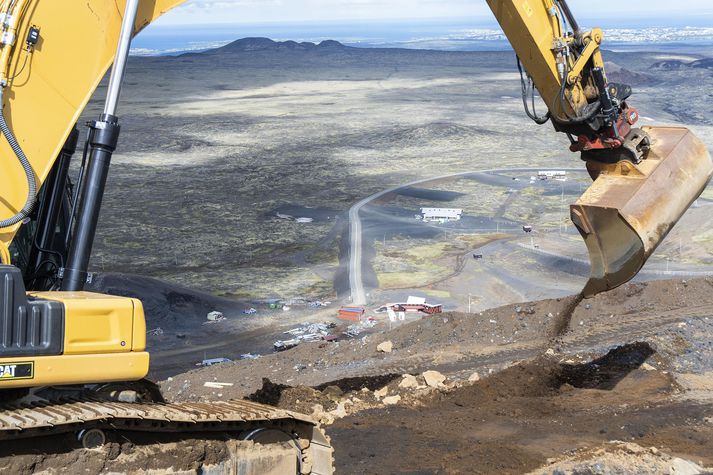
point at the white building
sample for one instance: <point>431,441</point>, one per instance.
<point>441,214</point>
<point>552,174</point>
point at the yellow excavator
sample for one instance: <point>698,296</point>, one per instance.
<point>81,355</point>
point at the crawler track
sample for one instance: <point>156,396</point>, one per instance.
<point>46,418</point>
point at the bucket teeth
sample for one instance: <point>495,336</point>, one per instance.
<point>629,209</point>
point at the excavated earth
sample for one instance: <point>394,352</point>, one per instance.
<point>621,383</point>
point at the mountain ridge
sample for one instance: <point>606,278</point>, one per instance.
<point>266,44</point>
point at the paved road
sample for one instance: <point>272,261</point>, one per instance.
<point>356,282</point>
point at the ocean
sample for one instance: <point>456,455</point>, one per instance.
<point>453,35</point>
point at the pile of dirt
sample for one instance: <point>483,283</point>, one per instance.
<point>620,457</point>
<point>460,343</point>
<point>491,392</point>
<point>543,389</point>
<point>515,420</point>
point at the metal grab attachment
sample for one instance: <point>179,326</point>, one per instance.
<point>629,209</point>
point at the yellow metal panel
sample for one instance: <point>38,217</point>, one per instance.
<point>138,340</point>
<point>79,369</point>
<point>4,254</point>
<point>531,30</point>
<point>96,323</point>
<point>77,44</point>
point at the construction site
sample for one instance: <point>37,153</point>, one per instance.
<point>331,259</point>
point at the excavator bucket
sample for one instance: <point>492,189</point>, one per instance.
<point>629,209</point>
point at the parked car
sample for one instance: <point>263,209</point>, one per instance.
<point>212,361</point>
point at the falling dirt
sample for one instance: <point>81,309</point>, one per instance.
<point>565,316</point>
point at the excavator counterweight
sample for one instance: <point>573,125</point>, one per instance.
<point>630,208</point>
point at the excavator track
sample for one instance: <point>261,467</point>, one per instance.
<point>248,419</point>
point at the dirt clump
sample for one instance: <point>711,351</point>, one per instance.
<point>299,399</point>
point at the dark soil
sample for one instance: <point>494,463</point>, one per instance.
<point>513,421</point>
<point>126,452</point>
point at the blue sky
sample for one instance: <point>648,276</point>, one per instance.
<point>276,11</point>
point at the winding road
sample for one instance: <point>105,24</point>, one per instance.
<point>356,281</point>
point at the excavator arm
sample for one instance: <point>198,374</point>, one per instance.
<point>644,178</point>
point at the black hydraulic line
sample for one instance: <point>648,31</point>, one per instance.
<point>50,208</point>
<point>103,138</point>
<point>532,115</point>
<point>77,191</point>
<point>570,17</point>
<point>27,167</point>
<point>608,109</point>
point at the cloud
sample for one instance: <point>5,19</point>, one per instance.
<point>273,11</point>
<point>227,11</point>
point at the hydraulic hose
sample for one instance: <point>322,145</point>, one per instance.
<point>29,173</point>
<point>539,120</point>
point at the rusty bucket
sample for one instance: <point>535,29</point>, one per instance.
<point>629,209</point>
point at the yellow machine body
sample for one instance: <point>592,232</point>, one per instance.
<point>77,45</point>
<point>104,341</point>
<point>105,336</point>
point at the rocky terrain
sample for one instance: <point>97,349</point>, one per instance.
<point>620,383</point>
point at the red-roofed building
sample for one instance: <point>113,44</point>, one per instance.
<point>353,314</point>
